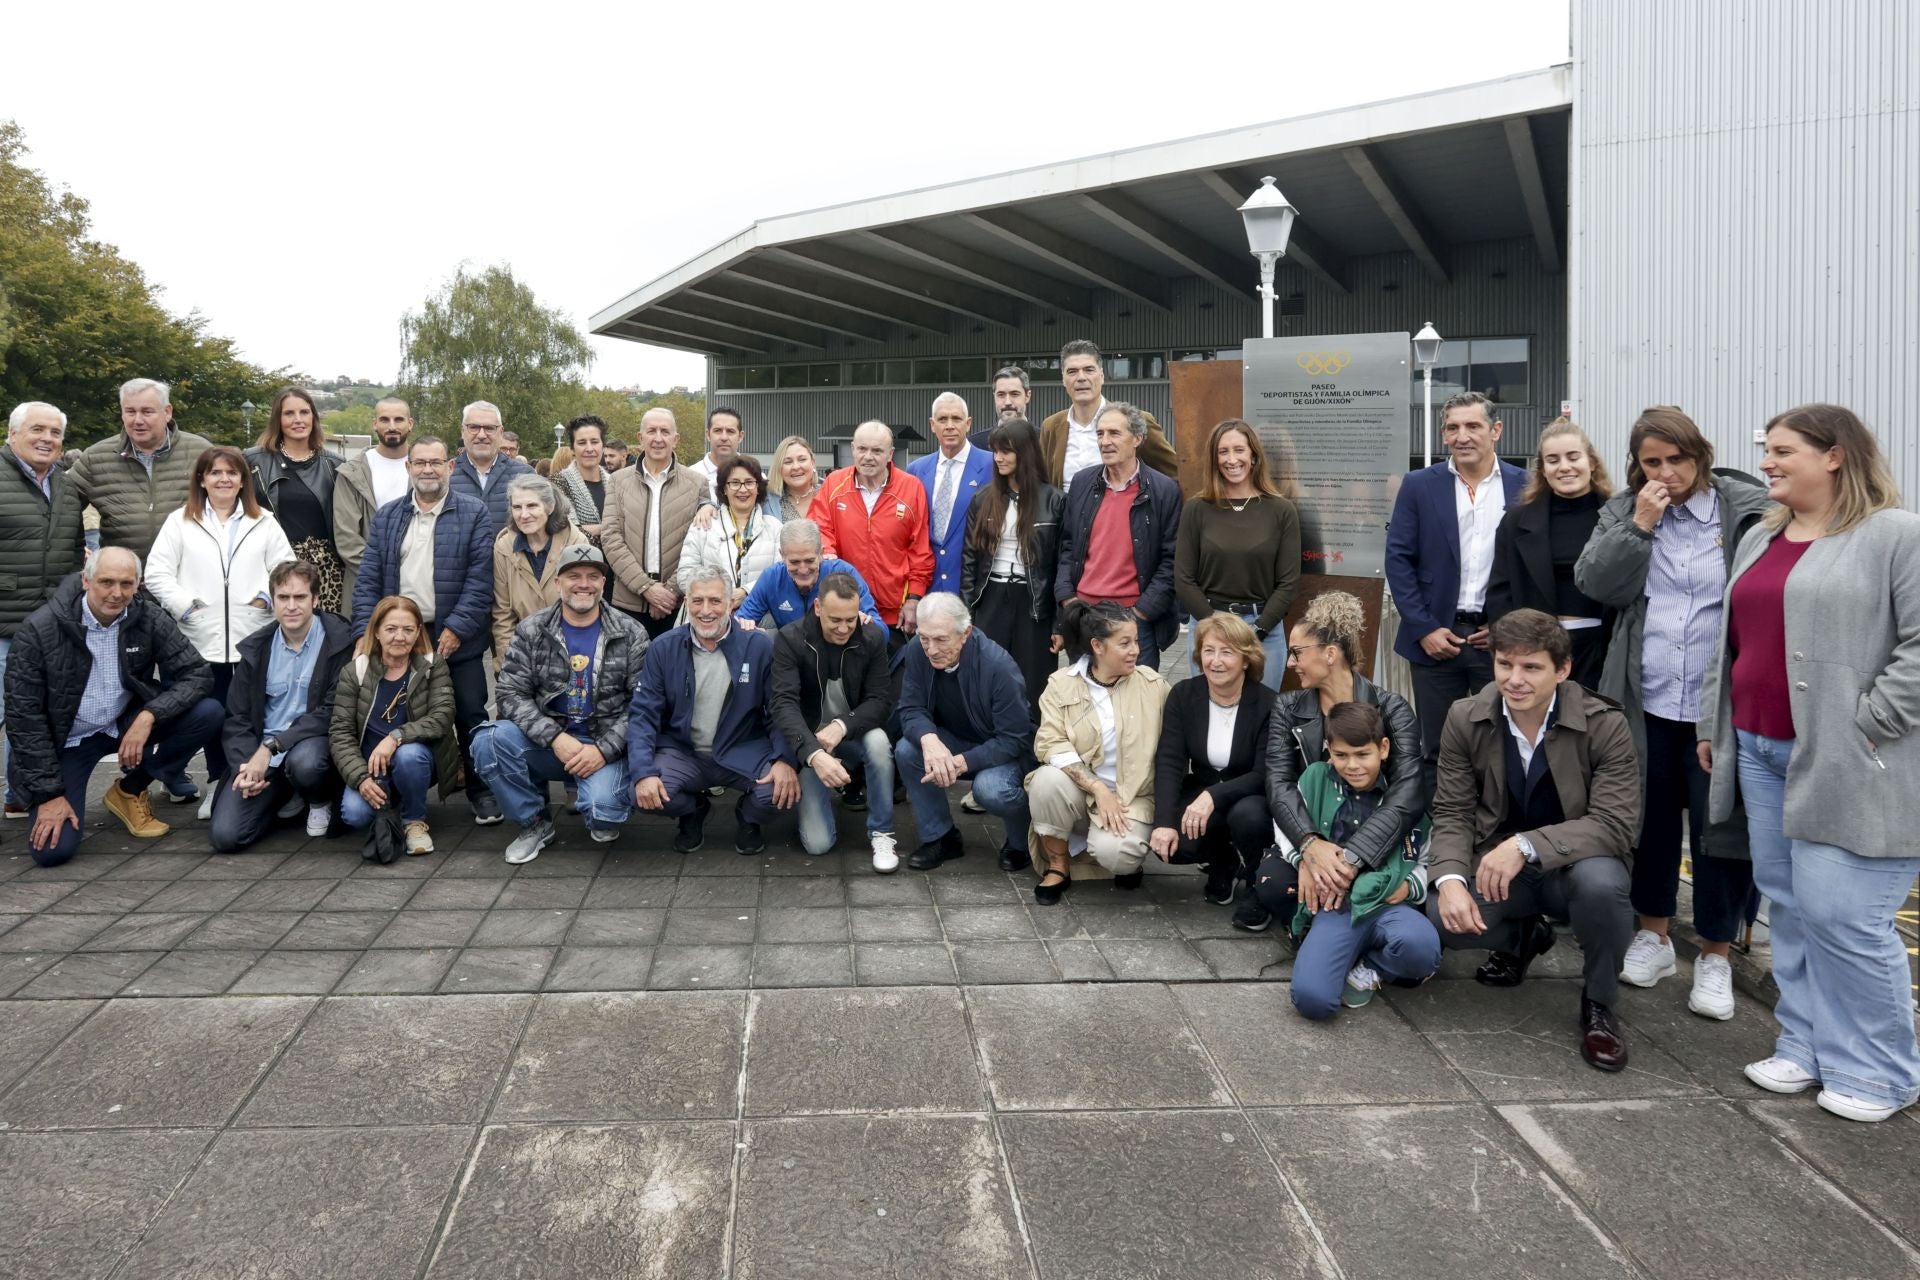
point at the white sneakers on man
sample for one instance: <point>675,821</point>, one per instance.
<point>1712,988</point>
<point>205,813</point>
<point>319,819</point>
<point>886,858</point>
<point>1649,959</point>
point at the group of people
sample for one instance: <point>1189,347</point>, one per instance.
<point>994,615</point>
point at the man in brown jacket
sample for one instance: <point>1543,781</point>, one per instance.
<point>1066,438</point>
<point>1534,814</point>
<point>649,508</point>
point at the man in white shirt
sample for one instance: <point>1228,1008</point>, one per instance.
<point>951,475</point>
<point>369,482</point>
<point>724,432</point>
<point>1067,442</point>
<point>1439,559</point>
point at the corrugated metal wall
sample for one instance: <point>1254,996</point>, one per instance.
<point>1746,224</point>
<point>1497,290</point>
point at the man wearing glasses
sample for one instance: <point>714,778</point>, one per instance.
<point>484,468</point>
<point>436,549</point>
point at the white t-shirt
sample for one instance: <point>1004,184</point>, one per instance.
<point>1008,562</point>
<point>711,474</point>
<point>1220,733</point>
<point>1479,512</point>
<point>389,477</point>
<point>1083,450</point>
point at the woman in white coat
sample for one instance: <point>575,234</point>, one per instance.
<point>743,539</point>
<point>208,569</point>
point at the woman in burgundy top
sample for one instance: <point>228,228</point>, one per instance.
<point>1811,703</point>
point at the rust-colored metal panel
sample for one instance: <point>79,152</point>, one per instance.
<point>1204,393</point>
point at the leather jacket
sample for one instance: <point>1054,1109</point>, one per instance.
<point>1296,739</point>
<point>977,565</point>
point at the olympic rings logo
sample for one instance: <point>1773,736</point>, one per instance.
<point>1319,363</point>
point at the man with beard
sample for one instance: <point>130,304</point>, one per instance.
<point>563,708</point>
<point>436,549</point>
<point>365,484</point>
<point>1012,393</point>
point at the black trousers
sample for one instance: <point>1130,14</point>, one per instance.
<point>1237,833</point>
<point>1005,615</point>
<point>469,676</point>
<point>1436,687</point>
<point>1723,895</point>
<point>1591,894</point>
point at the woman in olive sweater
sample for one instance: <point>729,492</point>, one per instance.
<point>1239,546</point>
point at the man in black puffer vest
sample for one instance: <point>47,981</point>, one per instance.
<point>40,538</point>
<point>101,670</point>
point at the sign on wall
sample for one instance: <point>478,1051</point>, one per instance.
<point>1332,415</point>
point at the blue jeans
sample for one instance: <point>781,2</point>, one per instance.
<point>519,774</point>
<point>1399,941</point>
<point>1274,646</point>
<point>1845,1011</point>
<point>817,832</point>
<point>174,773</point>
<point>169,745</point>
<point>411,773</point>
<point>1001,791</point>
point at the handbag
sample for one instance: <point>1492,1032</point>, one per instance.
<point>386,837</point>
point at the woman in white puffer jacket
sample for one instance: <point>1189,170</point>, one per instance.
<point>209,568</point>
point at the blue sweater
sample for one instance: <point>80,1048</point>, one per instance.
<point>774,593</point>
<point>462,570</point>
<point>661,713</point>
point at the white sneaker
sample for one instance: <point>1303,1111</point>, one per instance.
<point>1649,959</point>
<point>1712,988</point>
<point>1362,981</point>
<point>527,845</point>
<point>1780,1075</point>
<point>1848,1107</point>
<point>419,840</point>
<point>319,819</point>
<point>604,835</point>
<point>206,805</point>
<point>885,860</point>
<point>971,805</point>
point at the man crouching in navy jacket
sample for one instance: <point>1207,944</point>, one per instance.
<point>702,717</point>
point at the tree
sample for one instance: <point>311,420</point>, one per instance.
<point>77,320</point>
<point>484,336</point>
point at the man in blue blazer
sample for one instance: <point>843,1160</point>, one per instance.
<point>951,476</point>
<point>1439,559</point>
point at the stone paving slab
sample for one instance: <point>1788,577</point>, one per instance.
<point>76,1202</point>
<point>1063,1048</point>
<point>628,1056</point>
<point>841,1051</point>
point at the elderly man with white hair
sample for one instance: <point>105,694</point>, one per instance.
<point>40,537</point>
<point>136,479</point>
<point>644,524</point>
<point>951,475</point>
<point>963,717</point>
<point>484,468</point>
<point>875,515</point>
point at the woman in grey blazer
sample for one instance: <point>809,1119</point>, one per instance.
<point>1811,702</point>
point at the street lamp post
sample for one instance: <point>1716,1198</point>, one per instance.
<point>246,418</point>
<point>1269,220</point>
<point>1426,353</point>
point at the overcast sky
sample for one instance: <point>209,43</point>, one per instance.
<point>304,175</point>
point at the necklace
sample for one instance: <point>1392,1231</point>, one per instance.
<point>1243,503</point>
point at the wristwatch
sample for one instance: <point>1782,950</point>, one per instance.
<point>272,745</point>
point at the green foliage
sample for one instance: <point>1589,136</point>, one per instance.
<point>77,320</point>
<point>356,420</point>
<point>484,336</point>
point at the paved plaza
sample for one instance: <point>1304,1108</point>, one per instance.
<point>621,1062</point>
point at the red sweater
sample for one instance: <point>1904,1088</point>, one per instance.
<point>1110,572</point>
<point>890,547</point>
<point>1757,639</point>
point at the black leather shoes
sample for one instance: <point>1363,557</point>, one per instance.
<point>693,828</point>
<point>748,839</point>
<point>1012,859</point>
<point>1048,894</point>
<point>1129,880</point>
<point>934,852</point>
<point>1504,969</point>
<point>1601,1043</point>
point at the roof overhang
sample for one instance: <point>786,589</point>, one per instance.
<point>1408,175</point>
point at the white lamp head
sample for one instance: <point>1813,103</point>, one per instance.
<point>1269,220</point>
<point>1426,346</point>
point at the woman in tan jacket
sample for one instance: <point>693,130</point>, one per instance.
<point>1099,732</point>
<point>524,556</point>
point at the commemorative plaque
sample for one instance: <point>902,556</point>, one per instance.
<point>1333,414</point>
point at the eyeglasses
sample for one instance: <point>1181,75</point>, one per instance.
<point>742,484</point>
<point>480,428</point>
<point>1295,650</point>
<point>429,464</point>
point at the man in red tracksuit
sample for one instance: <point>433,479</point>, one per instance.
<point>874,516</point>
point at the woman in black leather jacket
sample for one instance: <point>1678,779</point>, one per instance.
<point>1013,542</point>
<point>1322,649</point>
<point>293,478</point>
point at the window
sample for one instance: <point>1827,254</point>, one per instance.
<point>759,377</point>
<point>968,369</point>
<point>730,378</point>
<point>929,373</point>
<point>899,373</point>
<point>823,375</point>
<point>1132,366</point>
<point>1496,367</point>
<point>792,375</point>
<point>865,373</point>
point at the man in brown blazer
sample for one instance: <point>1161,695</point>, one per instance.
<point>1535,811</point>
<point>1066,438</point>
<point>649,508</point>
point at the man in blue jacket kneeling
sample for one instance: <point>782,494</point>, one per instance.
<point>701,717</point>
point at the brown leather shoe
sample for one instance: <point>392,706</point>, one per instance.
<point>1601,1043</point>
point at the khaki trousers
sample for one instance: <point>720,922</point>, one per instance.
<point>1059,808</point>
